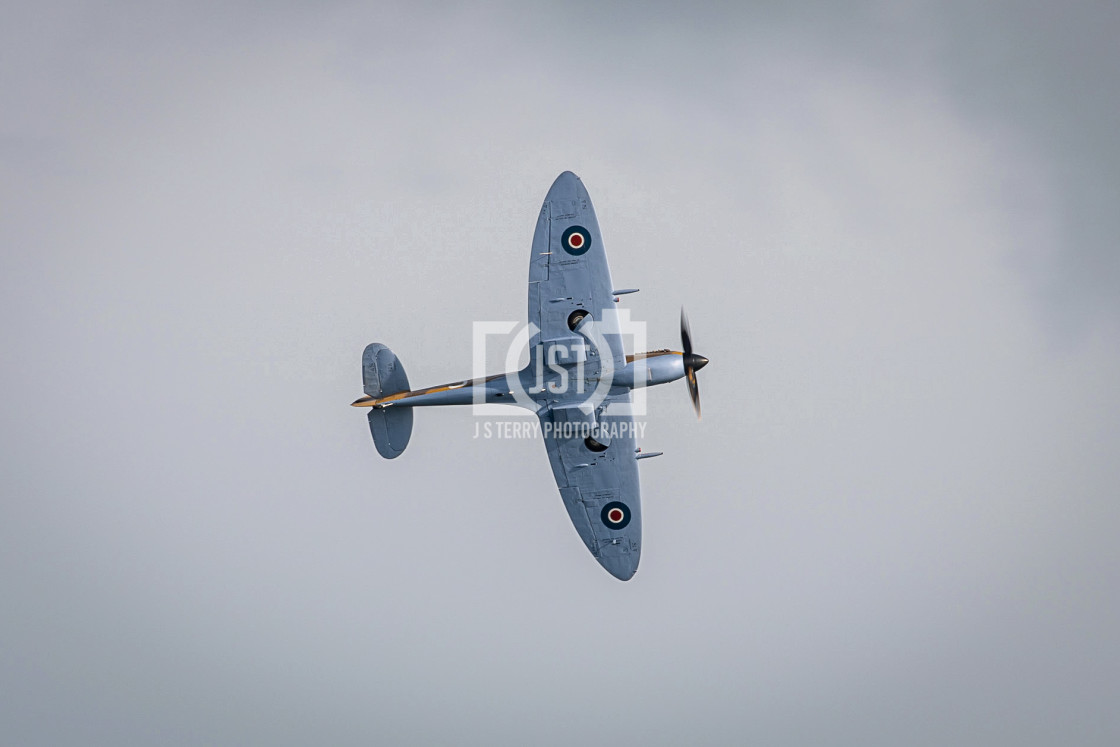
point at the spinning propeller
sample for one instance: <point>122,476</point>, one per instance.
<point>692,363</point>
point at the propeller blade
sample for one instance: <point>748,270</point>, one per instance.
<point>692,363</point>
<point>686,335</point>
<point>694,391</point>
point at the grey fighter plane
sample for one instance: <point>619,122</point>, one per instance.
<point>578,381</point>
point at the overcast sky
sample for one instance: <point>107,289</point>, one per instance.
<point>894,226</point>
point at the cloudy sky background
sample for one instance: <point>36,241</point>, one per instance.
<point>894,227</point>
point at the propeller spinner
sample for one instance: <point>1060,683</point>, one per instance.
<point>692,363</point>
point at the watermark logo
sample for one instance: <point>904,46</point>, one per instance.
<point>516,429</point>
<point>576,366</point>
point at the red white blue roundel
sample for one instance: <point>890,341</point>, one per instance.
<point>615,515</point>
<point>576,240</point>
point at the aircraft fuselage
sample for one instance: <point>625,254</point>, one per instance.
<point>539,382</point>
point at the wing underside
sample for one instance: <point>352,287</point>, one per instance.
<point>569,281</point>
<point>599,486</point>
<point>568,269</point>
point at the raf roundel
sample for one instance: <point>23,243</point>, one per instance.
<point>615,515</point>
<point>576,240</point>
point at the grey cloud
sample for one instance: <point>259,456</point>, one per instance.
<point>896,522</point>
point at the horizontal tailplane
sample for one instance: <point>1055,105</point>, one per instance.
<point>382,375</point>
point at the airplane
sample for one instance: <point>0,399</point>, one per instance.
<point>581,397</point>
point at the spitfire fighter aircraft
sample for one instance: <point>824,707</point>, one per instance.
<point>581,396</point>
